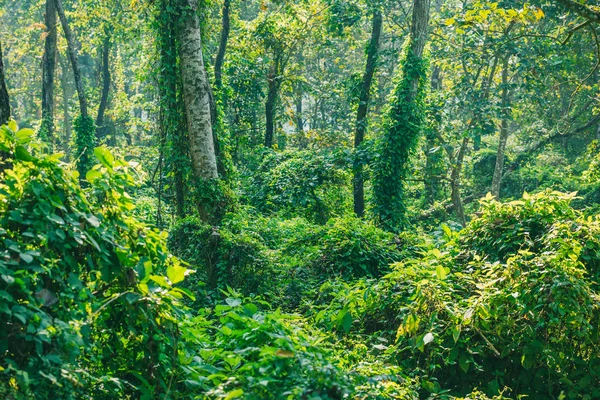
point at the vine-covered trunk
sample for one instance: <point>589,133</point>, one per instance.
<point>4,100</point>
<point>504,132</point>
<point>102,130</point>
<point>48,69</point>
<point>404,123</point>
<point>361,115</point>
<point>196,93</point>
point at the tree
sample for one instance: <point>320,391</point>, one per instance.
<point>84,124</point>
<point>101,130</point>
<point>403,126</point>
<point>48,69</point>
<point>504,132</point>
<point>196,93</point>
<point>361,116</point>
<point>4,100</point>
<point>225,29</point>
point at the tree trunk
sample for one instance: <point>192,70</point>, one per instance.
<point>48,69</point>
<point>361,115</point>
<point>459,209</point>
<point>496,180</point>
<point>66,92</point>
<point>4,100</point>
<point>101,130</point>
<point>270,106</point>
<point>225,28</point>
<point>418,35</point>
<point>72,50</point>
<point>196,94</point>
<point>433,168</point>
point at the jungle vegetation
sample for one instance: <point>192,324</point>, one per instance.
<point>299,199</point>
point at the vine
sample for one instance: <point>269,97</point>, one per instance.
<point>402,127</point>
<point>85,141</point>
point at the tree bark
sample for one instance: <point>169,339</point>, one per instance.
<point>4,100</point>
<point>361,115</point>
<point>101,130</point>
<point>418,35</point>
<point>196,93</point>
<point>72,50</point>
<point>504,132</point>
<point>66,92</point>
<point>48,71</point>
<point>225,29</point>
<point>459,209</point>
<point>272,95</point>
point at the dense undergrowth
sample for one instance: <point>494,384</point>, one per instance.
<point>268,306</point>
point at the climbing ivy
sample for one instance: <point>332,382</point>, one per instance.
<point>403,124</point>
<point>85,139</point>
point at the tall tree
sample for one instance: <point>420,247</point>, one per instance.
<point>504,132</point>
<point>4,100</point>
<point>48,69</point>
<point>101,130</point>
<point>84,124</point>
<point>403,126</point>
<point>361,115</point>
<point>196,93</point>
<point>225,29</point>
<point>72,51</point>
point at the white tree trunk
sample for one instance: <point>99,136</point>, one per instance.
<point>196,94</point>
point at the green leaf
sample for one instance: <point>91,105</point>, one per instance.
<point>441,272</point>
<point>104,156</point>
<point>28,258</point>
<point>24,135</point>
<point>21,153</point>
<point>176,273</point>
<point>56,219</point>
<point>463,363</point>
<point>234,394</point>
<point>344,319</point>
<point>93,175</point>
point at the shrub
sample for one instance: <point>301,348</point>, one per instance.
<point>352,248</point>
<point>85,310</point>
<point>301,183</point>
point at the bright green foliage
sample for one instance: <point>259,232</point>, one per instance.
<point>85,139</point>
<point>473,314</point>
<point>301,182</point>
<point>85,310</point>
<point>352,248</point>
<point>251,354</point>
<point>402,128</point>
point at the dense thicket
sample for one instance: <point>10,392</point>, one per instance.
<point>314,199</point>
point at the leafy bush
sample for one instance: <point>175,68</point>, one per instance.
<point>225,256</point>
<point>85,310</point>
<point>301,183</point>
<point>473,314</point>
<point>351,248</point>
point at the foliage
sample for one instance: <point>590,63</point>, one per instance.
<point>85,137</point>
<point>404,122</point>
<point>86,312</point>
<point>471,315</point>
<point>300,182</point>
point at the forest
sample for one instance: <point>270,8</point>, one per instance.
<point>299,199</point>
